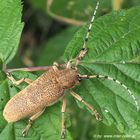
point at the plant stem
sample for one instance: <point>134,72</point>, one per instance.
<point>40,68</point>
<point>117,4</point>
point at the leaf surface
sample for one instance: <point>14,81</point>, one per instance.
<point>10,28</point>
<point>54,48</point>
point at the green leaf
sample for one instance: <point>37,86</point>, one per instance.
<point>47,126</point>
<point>113,50</point>
<point>10,28</point>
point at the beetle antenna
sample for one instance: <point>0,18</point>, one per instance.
<point>84,48</point>
<point>116,81</point>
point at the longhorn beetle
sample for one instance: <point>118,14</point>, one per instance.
<point>49,88</point>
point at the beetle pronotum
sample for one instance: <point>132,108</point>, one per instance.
<point>49,88</point>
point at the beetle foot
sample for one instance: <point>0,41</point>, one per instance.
<point>98,117</point>
<point>63,133</point>
<point>26,130</point>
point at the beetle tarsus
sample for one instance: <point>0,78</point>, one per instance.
<point>98,117</point>
<point>63,133</point>
<point>26,130</point>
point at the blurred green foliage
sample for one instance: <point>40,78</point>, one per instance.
<point>58,47</point>
<point>43,41</point>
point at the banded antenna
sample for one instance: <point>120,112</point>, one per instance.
<point>124,86</point>
<point>116,81</point>
<point>84,48</point>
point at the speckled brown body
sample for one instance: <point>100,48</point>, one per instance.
<point>44,91</point>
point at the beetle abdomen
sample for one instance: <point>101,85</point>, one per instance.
<point>43,92</point>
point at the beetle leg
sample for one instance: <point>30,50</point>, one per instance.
<point>28,81</point>
<point>79,98</point>
<point>18,82</point>
<point>63,109</point>
<point>55,66</point>
<point>30,121</point>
